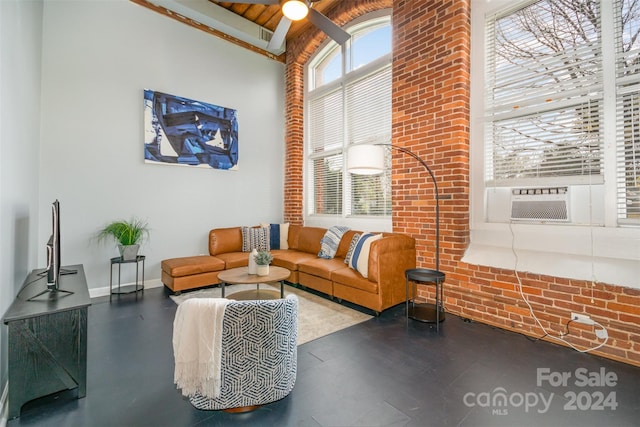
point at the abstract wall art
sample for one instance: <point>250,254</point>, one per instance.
<point>181,131</point>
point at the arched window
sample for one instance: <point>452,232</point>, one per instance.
<point>348,101</point>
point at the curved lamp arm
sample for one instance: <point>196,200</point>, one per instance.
<point>366,159</point>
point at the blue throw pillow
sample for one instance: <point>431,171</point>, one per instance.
<point>279,234</point>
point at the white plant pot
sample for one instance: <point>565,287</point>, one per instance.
<point>263,270</point>
<point>128,252</point>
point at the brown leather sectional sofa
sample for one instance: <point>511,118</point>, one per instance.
<point>384,287</point>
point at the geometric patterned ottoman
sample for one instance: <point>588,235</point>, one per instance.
<point>259,354</point>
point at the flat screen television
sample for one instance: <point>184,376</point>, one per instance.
<point>53,249</point>
<point>54,269</point>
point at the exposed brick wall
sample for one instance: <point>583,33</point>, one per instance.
<point>492,295</point>
<point>431,118</point>
<point>431,52</point>
<point>294,142</point>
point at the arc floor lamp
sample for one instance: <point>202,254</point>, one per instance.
<point>368,159</point>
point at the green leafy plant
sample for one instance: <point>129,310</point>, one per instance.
<point>263,258</point>
<point>126,233</point>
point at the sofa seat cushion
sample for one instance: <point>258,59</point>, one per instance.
<point>234,259</point>
<point>187,266</point>
<point>321,267</point>
<point>349,277</point>
<point>290,259</point>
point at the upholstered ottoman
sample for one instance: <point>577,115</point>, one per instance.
<point>179,274</point>
<point>250,378</point>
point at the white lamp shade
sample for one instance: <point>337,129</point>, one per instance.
<point>365,159</point>
<point>294,9</point>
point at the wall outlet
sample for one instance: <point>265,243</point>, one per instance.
<point>602,333</point>
<point>582,318</point>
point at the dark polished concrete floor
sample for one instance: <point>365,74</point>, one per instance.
<point>383,372</point>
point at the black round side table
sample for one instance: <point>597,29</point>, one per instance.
<point>126,289</point>
<point>425,312</point>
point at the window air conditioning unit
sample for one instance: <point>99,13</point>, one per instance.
<point>546,204</point>
<point>575,204</point>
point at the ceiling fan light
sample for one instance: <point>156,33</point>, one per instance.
<point>294,9</point>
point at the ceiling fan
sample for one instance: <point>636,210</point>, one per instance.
<point>295,10</point>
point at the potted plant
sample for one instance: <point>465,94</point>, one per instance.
<point>263,259</point>
<point>128,235</point>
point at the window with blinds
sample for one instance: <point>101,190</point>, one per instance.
<point>544,94</point>
<point>350,107</point>
<point>325,128</point>
<point>628,111</point>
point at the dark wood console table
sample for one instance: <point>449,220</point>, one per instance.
<point>47,338</point>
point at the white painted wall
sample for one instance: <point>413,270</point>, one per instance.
<point>72,75</point>
<point>98,56</point>
<point>20,49</point>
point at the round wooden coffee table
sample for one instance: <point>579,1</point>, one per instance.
<point>241,276</point>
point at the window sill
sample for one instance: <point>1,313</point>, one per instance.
<point>607,255</point>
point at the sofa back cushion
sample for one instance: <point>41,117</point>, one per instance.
<point>292,239</point>
<point>343,248</point>
<point>223,240</point>
<point>309,239</point>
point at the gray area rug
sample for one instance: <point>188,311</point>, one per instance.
<point>317,316</point>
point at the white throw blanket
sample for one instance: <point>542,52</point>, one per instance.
<point>197,346</point>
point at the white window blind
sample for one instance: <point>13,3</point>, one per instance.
<point>368,103</point>
<point>326,182</point>
<point>628,111</point>
<point>369,121</point>
<point>544,94</point>
<point>325,118</point>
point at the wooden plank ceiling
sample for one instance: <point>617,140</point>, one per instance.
<point>268,16</point>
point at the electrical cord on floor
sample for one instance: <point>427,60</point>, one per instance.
<point>601,333</point>
<point>535,339</point>
<point>528,337</point>
<point>562,334</point>
<point>501,329</point>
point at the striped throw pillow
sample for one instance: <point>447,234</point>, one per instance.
<point>279,236</point>
<point>330,241</point>
<point>352,246</point>
<point>360,257</point>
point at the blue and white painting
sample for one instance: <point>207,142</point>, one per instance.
<point>181,131</point>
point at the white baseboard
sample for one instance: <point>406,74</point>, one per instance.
<point>4,405</point>
<point>104,291</point>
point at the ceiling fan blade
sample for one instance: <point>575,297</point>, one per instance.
<point>279,34</point>
<point>254,1</point>
<point>328,27</point>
